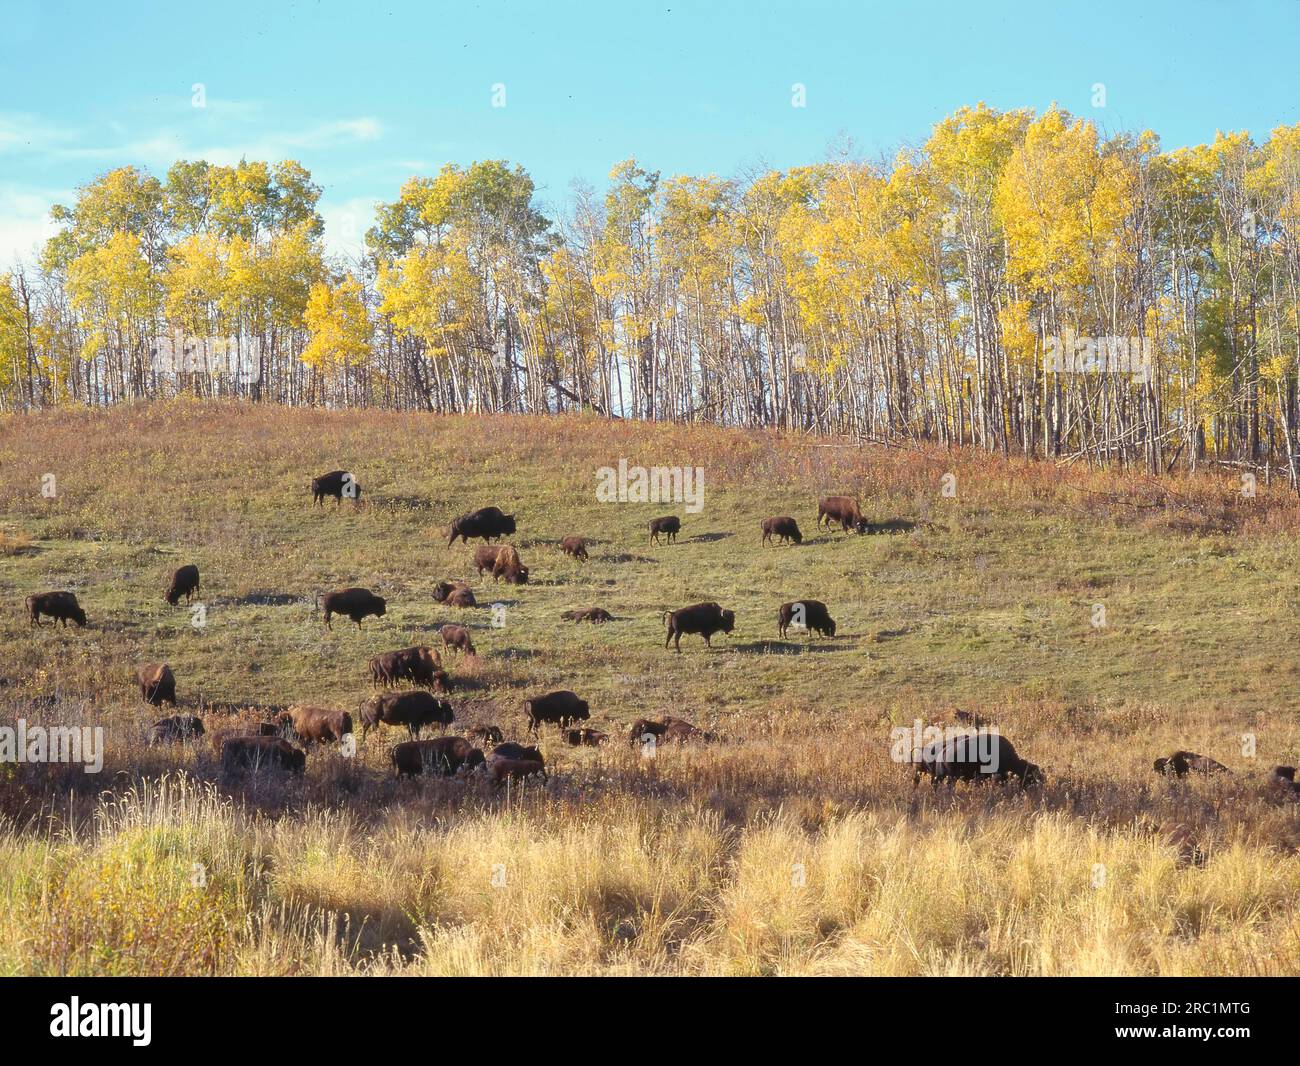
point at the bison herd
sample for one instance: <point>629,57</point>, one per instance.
<point>268,744</point>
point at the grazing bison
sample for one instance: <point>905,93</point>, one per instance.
<point>487,522</point>
<point>486,734</point>
<point>561,708</point>
<point>784,528</point>
<point>841,509</point>
<point>503,770</point>
<point>61,606</point>
<point>590,738</point>
<point>702,618</point>
<point>177,728</point>
<point>443,756</point>
<point>511,750</point>
<point>157,683</point>
<point>261,753</point>
<point>1182,763</point>
<point>508,566</point>
<point>454,636</point>
<point>317,724</point>
<point>413,709</point>
<point>337,483</point>
<point>419,664</point>
<point>185,582</point>
<point>595,615</point>
<point>973,757</point>
<point>574,546</point>
<point>812,613</point>
<point>669,526</point>
<point>485,558</point>
<point>352,603</point>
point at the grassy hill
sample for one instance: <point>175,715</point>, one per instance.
<point>796,846</point>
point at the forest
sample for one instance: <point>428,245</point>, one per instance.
<point>1024,283</point>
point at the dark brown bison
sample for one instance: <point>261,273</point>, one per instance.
<point>811,613</point>
<point>574,546</point>
<point>317,724</point>
<point>261,753</point>
<point>462,596</point>
<point>973,757</point>
<point>337,483</point>
<point>669,526</point>
<point>454,636</point>
<point>487,522</point>
<point>443,756</point>
<point>702,618</point>
<point>249,729</point>
<point>157,683</point>
<point>1182,763</point>
<point>486,734</point>
<point>841,509</point>
<point>595,615</point>
<point>352,603</point>
<point>185,582</point>
<point>177,728</point>
<point>503,770</point>
<point>418,664</point>
<point>590,738</point>
<point>511,750</point>
<point>561,708</point>
<point>61,606</point>
<point>680,731</point>
<point>646,727</point>
<point>508,566</point>
<point>485,558</point>
<point>784,528</point>
<point>1284,778</point>
<point>413,709</point>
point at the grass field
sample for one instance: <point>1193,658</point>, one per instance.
<point>795,845</point>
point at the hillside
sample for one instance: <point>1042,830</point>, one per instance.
<point>984,600</point>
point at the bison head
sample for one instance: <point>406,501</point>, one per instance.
<point>78,615</point>
<point>728,621</point>
<point>508,524</point>
<point>861,526</point>
<point>473,760</point>
<point>1032,775</point>
<point>381,605</point>
<point>583,711</point>
<point>830,626</point>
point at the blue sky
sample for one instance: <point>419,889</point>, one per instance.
<point>365,95</point>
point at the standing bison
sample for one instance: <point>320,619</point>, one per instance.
<point>61,606</point>
<point>669,526</point>
<point>811,615</point>
<point>559,708</point>
<point>157,684</point>
<point>337,483</point>
<point>702,618</point>
<point>419,664</point>
<point>454,636</point>
<point>841,509</point>
<point>185,582</point>
<point>487,522</point>
<point>783,528</point>
<point>507,565</point>
<point>352,603</point>
<point>316,724</point>
<point>414,709</point>
<point>575,547</point>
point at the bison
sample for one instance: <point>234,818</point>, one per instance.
<point>595,615</point>
<point>702,618</point>
<point>443,756</point>
<point>413,709</point>
<point>1182,763</point>
<point>507,565</point>
<point>646,727</point>
<point>669,526</point>
<point>454,636</point>
<point>487,522</point>
<point>261,753</point>
<point>317,724</point>
<point>485,558</point>
<point>1284,778</point>
<point>973,757</point>
<point>784,528</point>
<point>574,546</point>
<point>812,613</point>
<point>486,734</point>
<point>462,596</point>
<point>419,664</point>
<point>353,603</point>
<point>680,731</point>
<point>562,708</point>
<point>841,509</point>
<point>337,483</point>
<point>250,729</point>
<point>185,582</point>
<point>61,606</point>
<point>590,738</point>
<point>504,770</point>
<point>157,683</point>
<point>511,750</point>
<point>179,727</point>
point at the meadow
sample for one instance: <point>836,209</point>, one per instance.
<point>794,845</point>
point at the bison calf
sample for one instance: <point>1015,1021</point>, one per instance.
<point>185,582</point>
<point>454,636</point>
<point>574,546</point>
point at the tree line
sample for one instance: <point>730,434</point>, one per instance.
<point>1020,282</point>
